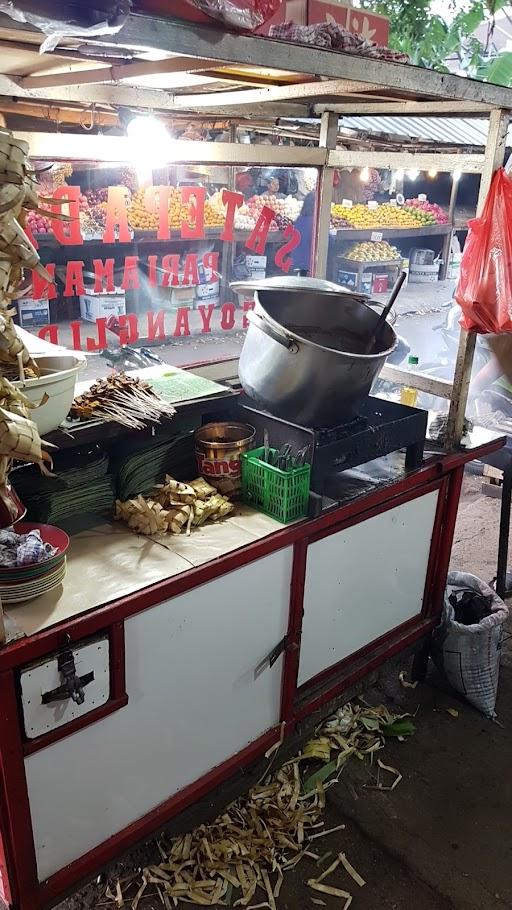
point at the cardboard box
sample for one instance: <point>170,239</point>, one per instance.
<point>257,274</point>
<point>94,306</point>
<point>255,263</point>
<point>302,12</point>
<point>348,279</point>
<point>205,291</point>
<point>369,25</point>
<point>33,312</point>
<point>380,284</point>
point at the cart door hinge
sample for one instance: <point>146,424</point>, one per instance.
<point>72,685</point>
<point>271,658</point>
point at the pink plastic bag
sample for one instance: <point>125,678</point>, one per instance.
<point>245,16</point>
<point>484,291</point>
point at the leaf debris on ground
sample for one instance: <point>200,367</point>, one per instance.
<point>241,858</point>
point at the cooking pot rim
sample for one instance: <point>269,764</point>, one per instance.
<point>322,347</point>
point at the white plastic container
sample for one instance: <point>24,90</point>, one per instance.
<point>57,380</point>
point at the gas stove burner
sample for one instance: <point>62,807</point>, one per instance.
<point>325,435</point>
<point>381,427</point>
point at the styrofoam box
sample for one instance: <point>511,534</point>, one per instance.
<point>208,290</point>
<point>33,312</point>
<point>256,262</point>
<point>257,274</point>
<point>93,306</point>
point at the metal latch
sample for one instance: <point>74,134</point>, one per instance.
<point>271,658</point>
<point>72,685</point>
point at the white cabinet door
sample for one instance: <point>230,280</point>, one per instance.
<point>193,703</point>
<point>364,582</point>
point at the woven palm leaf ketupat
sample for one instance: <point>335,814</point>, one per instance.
<point>19,437</point>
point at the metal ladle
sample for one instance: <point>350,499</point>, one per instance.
<point>385,313</point>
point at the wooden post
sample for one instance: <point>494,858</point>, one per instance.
<point>494,157</point>
<point>328,136</point>
<point>448,239</point>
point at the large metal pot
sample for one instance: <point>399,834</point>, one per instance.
<point>303,357</point>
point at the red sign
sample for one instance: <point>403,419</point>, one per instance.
<point>368,25</point>
<point>154,325</point>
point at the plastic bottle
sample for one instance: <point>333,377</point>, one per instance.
<point>408,395</point>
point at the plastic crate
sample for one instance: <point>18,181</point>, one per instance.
<point>282,494</point>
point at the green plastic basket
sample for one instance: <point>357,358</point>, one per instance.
<point>282,494</point>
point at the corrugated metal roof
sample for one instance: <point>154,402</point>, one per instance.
<point>446,130</point>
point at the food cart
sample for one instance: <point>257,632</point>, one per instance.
<point>196,656</point>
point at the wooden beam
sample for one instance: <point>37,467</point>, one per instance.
<point>494,157</point>
<point>393,108</point>
<point>299,92</point>
<point>115,95</point>
<point>174,36</point>
<point>328,137</point>
<point>87,147</point>
<point>117,73</point>
<point>442,388</point>
<point>53,115</point>
<point>423,161</point>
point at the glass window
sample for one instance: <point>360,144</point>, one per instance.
<point>147,260</point>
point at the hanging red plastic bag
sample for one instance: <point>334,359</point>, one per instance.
<point>246,16</point>
<point>484,291</point>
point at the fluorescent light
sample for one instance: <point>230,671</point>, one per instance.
<point>457,174</point>
<point>149,144</point>
<point>432,172</point>
<point>399,174</point>
<point>364,176</point>
<point>413,174</point>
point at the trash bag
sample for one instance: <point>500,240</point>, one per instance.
<point>467,652</point>
<point>484,291</point>
<point>245,15</point>
<point>63,18</point>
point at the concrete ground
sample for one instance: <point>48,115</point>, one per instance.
<point>441,840</point>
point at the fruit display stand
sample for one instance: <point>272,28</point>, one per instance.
<point>391,266</point>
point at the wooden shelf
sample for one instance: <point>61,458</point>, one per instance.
<point>429,230</point>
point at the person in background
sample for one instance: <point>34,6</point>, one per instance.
<point>305,222</point>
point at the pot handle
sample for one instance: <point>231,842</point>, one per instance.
<point>256,320</point>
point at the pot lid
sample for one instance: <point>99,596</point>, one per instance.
<point>293,283</point>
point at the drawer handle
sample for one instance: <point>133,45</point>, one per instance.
<point>72,685</point>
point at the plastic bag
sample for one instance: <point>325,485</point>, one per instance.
<point>245,16</point>
<point>484,291</point>
<point>58,19</point>
<point>469,655</point>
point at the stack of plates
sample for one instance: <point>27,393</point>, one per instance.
<point>21,583</point>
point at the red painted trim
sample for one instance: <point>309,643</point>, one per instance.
<point>117,662</point>
<point>54,736</point>
<point>100,618</point>
<point>357,665</point>
<point>5,885</point>
<point>446,541</point>
<point>117,698</point>
<point>292,653</point>
<point>97,858</point>
<point>15,817</point>
<point>435,544</point>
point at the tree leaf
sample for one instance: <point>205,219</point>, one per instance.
<point>499,71</point>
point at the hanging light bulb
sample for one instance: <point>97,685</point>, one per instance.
<point>399,174</point>
<point>413,174</point>
<point>432,172</point>
<point>364,176</point>
<point>149,144</point>
<point>457,174</point>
